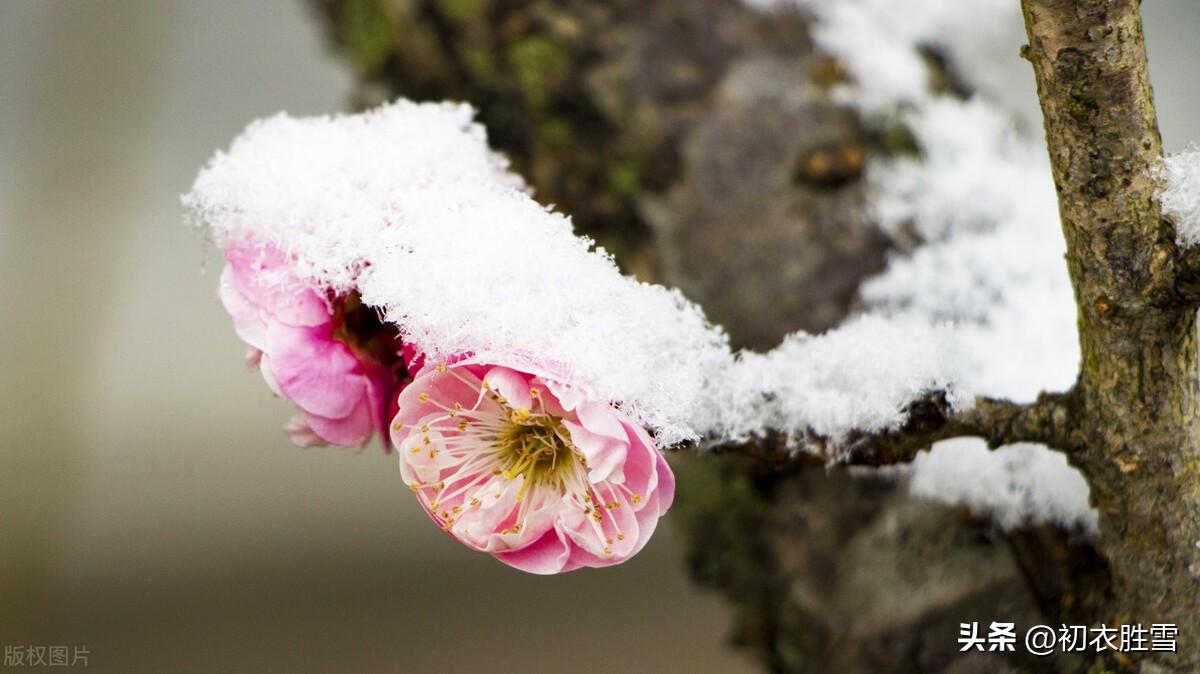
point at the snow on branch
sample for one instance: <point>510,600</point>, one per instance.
<point>858,378</point>
<point>1014,484</point>
<point>407,206</point>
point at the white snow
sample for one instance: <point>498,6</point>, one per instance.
<point>1180,196</point>
<point>328,189</point>
<point>973,163</point>
<point>1014,484</point>
<point>982,197</point>
<point>858,376</point>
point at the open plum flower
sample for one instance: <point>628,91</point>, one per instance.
<point>329,355</point>
<point>525,468</point>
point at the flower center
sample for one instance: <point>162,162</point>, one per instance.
<point>535,445</point>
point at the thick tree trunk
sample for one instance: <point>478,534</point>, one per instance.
<point>1136,396</point>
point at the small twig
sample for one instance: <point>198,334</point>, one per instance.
<point>928,420</point>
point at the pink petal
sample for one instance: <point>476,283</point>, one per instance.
<point>316,372</point>
<point>604,455</point>
<point>537,523</point>
<point>550,403</point>
<point>602,419</point>
<point>264,368</point>
<point>568,396</point>
<point>442,388</point>
<point>658,504</point>
<point>262,275</point>
<point>648,518</point>
<point>619,527</point>
<point>666,484</point>
<point>247,321</point>
<point>415,453</point>
<point>354,430</point>
<point>379,393</point>
<point>414,358</point>
<point>582,558</point>
<point>253,357</point>
<point>301,307</point>
<point>301,434</point>
<point>510,385</point>
<point>546,555</point>
<point>640,467</point>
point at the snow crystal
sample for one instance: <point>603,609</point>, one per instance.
<point>972,164</point>
<point>859,376</point>
<point>327,189</point>
<point>982,198</point>
<point>1015,485</point>
<point>1180,197</point>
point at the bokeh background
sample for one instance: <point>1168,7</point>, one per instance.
<point>150,509</point>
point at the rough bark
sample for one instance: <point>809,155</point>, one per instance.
<point>1048,421</point>
<point>1137,431</point>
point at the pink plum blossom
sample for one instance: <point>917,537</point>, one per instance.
<point>327,354</point>
<point>526,468</point>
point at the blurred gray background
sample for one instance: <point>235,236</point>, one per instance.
<point>150,509</point>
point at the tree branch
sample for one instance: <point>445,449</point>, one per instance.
<point>929,419</point>
<point>1138,404</point>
